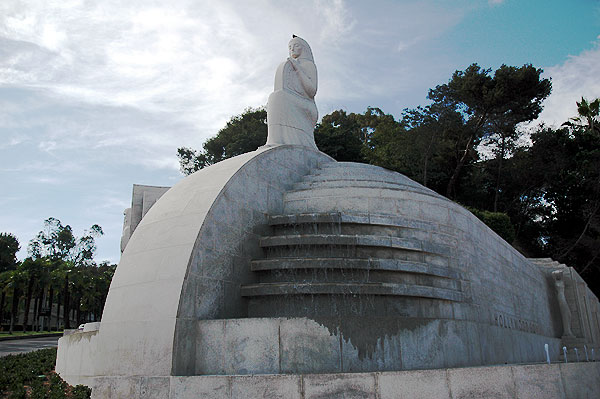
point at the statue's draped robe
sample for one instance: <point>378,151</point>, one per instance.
<point>291,110</point>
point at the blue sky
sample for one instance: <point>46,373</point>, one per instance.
<point>97,96</point>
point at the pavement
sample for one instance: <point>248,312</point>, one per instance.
<point>16,346</point>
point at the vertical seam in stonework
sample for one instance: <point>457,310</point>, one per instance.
<point>563,383</point>
<point>229,388</point>
<point>377,393</point>
<point>279,344</point>
<point>224,323</point>
<point>341,353</point>
<point>514,380</point>
<point>448,383</point>
<point>301,381</point>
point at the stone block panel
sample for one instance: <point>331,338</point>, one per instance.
<point>340,386</point>
<point>539,381</point>
<point>422,384</point>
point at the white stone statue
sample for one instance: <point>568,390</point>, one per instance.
<point>126,228</point>
<point>565,312</point>
<point>291,110</point>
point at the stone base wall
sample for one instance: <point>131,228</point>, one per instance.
<point>568,381</point>
<point>301,345</point>
<point>75,358</point>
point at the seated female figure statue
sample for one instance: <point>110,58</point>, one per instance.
<point>291,110</point>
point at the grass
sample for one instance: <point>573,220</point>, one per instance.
<point>27,334</point>
<point>31,376</point>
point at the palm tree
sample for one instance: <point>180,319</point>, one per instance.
<point>16,281</point>
<point>588,115</point>
<point>590,112</point>
<point>4,289</point>
<point>33,270</point>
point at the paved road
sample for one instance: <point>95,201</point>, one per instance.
<point>27,345</point>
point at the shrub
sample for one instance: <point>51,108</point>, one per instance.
<point>31,376</point>
<point>497,221</point>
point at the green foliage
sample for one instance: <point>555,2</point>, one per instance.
<point>489,105</point>
<point>497,221</point>
<point>61,266</point>
<point>58,242</point>
<point>81,392</point>
<point>19,370</point>
<point>357,137</point>
<point>243,133</point>
<point>543,198</point>
<point>9,246</point>
<point>588,111</point>
<point>345,137</point>
<point>339,136</point>
<point>31,375</point>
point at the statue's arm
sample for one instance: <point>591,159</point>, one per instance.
<point>307,74</point>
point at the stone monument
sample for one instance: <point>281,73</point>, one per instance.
<point>281,273</point>
<point>142,199</point>
<point>562,302</point>
<point>291,110</point>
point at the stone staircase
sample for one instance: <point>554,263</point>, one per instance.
<point>329,254</point>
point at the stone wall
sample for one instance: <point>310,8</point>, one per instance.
<point>185,261</point>
<point>302,345</point>
<point>556,381</point>
<point>405,279</point>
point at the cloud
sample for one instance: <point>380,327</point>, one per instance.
<point>576,77</point>
<point>204,61</point>
<point>495,2</point>
<point>47,180</point>
<point>172,58</point>
<point>13,141</point>
<point>96,96</point>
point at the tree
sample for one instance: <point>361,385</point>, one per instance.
<point>552,194</point>
<point>9,246</point>
<point>58,242</point>
<point>588,115</point>
<point>4,284</point>
<point>33,271</point>
<point>15,282</point>
<point>428,146</point>
<point>242,133</point>
<point>63,254</point>
<point>340,136</point>
<point>490,104</point>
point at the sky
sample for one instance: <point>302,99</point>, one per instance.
<point>96,96</point>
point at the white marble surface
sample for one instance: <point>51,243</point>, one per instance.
<point>291,110</point>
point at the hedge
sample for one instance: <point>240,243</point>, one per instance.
<point>31,375</point>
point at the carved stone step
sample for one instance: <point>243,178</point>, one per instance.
<point>394,265</point>
<point>351,241</point>
<point>341,240</point>
<point>348,217</point>
<point>350,289</point>
<point>336,183</point>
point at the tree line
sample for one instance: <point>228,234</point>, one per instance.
<point>59,274</point>
<point>539,187</point>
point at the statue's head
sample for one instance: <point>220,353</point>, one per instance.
<point>126,216</point>
<point>300,49</point>
<point>558,275</point>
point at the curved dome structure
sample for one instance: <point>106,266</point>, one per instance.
<point>283,261</point>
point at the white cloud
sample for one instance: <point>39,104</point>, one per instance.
<point>47,180</point>
<point>202,60</point>
<point>99,95</point>
<point>576,77</point>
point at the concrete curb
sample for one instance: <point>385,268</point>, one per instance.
<point>57,334</point>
